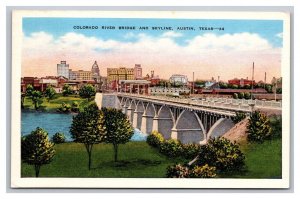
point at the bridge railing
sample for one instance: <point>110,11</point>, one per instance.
<point>229,103</point>
<point>257,103</point>
<point>190,102</point>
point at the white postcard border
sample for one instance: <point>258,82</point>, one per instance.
<point>18,182</point>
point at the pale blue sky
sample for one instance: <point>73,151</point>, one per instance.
<point>267,29</point>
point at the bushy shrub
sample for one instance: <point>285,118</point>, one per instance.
<point>238,117</point>
<point>247,95</point>
<point>247,86</point>
<point>258,128</point>
<point>234,86</point>
<point>58,138</point>
<point>177,171</point>
<point>241,95</point>
<point>171,148</point>
<point>235,96</point>
<point>190,151</point>
<point>64,108</point>
<point>155,139</point>
<point>75,107</point>
<point>222,154</point>
<point>181,171</point>
<point>204,171</point>
<point>276,125</point>
<point>279,90</point>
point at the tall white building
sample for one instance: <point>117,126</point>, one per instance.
<point>63,69</point>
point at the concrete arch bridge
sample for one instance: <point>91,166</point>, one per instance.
<point>177,119</point>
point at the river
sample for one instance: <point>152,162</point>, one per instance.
<point>56,122</point>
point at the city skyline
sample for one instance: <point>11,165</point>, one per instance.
<point>167,52</point>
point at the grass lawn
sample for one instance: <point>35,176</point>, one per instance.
<point>136,159</point>
<point>55,103</point>
<point>262,160</point>
<point>139,160</point>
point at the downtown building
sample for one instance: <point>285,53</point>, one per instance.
<point>123,73</point>
<point>80,75</point>
<point>63,69</point>
<point>241,82</point>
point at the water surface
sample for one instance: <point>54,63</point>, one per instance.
<point>57,122</point>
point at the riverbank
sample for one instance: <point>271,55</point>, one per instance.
<point>139,160</point>
<point>54,104</point>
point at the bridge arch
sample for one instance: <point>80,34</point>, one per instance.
<point>164,121</point>
<point>220,127</point>
<point>189,128</point>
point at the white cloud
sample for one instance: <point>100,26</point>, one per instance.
<point>229,42</point>
<point>205,53</point>
<point>280,35</point>
<point>74,42</point>
<point>172,34</point>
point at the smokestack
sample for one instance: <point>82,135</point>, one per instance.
<point>265,79</point>
<point>252,82</point>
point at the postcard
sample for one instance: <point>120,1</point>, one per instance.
<point>150,99</point>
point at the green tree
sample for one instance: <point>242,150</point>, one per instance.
<point>64,108</point>
<point>247,95</point>
<point>235,96</point>
<point>269,88</point>
<point>235,86</point>
<point>199,83</point>
<point>223,85</point>
<point>36,149</point>
<point>279,90</point>
<point>241,95</point>
<point>239,116</point>
<point>119,129</point>
<point>258,128</point>
<point>29,90</point>
<point>75,106</point>
<point>50,92</point>
<point>88,128</point>
<point>87,91</point>
<point>58,138</point>
<point>67,90</point>
<point>37,99</point>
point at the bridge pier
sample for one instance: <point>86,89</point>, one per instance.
<point>163,126</point>
<point>188,135</point>
<point>147,124</point>
<point>137,119</point>
<point>124,109</point>
<point>130,112</point>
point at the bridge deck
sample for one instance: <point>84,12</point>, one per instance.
<point>190,104</point>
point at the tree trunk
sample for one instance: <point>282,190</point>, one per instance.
<point>37,170</point>
<point>22,102</point>
<point>35,105</point>
<point>89,151</point>
<point>116,152</point>
<point>90,160</point>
